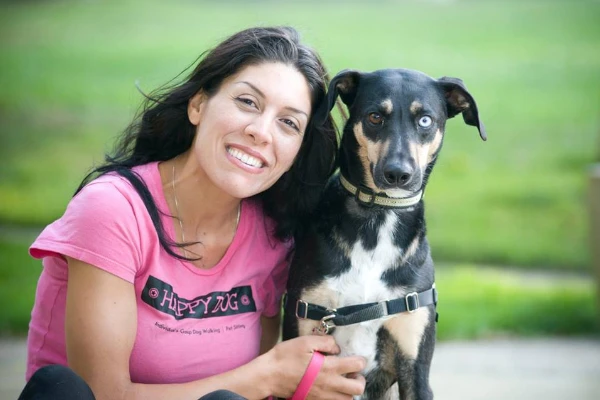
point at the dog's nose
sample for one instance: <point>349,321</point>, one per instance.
<point>398,174</point>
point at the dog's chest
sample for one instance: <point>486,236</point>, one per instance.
<point>363,283</point>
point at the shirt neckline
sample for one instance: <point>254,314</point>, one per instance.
<point>168,224</point>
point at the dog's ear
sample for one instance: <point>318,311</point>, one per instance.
<point>343,84</point>
<point>459,100</point>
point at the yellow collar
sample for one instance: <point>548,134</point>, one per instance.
<point>370,198</point>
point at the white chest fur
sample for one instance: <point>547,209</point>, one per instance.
<point>361,284</point>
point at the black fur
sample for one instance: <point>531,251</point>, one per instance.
<point>391,128</point>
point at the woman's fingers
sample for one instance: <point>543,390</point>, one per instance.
<point>331,383</point>
<point>339,377</point>
<point>337,386</point>
<point>324,344</point>
<point>347,365</point>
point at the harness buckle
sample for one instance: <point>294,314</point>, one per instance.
<point>305,309</point>
<point>412,302</point>
<point>384,308</point>
<point>325,325</point>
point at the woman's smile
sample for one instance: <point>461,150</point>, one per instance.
<point>245,158</point>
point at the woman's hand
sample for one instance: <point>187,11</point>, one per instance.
<point>338,378</point>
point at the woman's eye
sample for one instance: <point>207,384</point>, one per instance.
<point>246,101</point>
<point>375,118</point>
<point>291,124</point>
<point>425,121</point>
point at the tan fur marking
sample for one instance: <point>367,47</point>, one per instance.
<point>321,295</point>
<point>407,330</point>
<point>341,243</point>
<point>367,152</point>
<point>434,145</point>
<point>411,249</point>
<point>419,153</point>
<point>462,102</point>
<point>387,106</point>
<point>415,107</point>
<point>343,85</point>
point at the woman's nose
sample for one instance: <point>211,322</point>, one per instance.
<point>260,129</point>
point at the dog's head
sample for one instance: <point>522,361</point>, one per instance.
<point>396,125</point>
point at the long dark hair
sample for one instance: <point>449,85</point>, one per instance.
<point>162,130</point>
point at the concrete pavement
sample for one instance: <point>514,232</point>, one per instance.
<point>547,369</point>
<point>499,369</point>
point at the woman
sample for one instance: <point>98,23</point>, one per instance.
<point>176,249</point>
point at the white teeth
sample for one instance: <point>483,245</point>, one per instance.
<point>245,158</point>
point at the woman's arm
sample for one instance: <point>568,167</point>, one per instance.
<point>101,329</point>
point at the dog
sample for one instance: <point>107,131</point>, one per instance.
<point>363,272</point>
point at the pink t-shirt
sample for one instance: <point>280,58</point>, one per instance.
<point>191,323</point>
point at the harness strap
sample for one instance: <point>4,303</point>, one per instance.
<point>362,312</point>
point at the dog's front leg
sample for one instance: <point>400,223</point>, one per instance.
<point>413,374</point>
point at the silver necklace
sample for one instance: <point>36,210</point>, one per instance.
<point>177,206</point>
<point>237,220</point>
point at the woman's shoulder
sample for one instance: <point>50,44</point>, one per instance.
<point>104,224</point>
<point>115,190</point>
<point>109,200</point>
<point>114,181</point>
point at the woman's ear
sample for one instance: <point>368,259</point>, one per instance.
<point>195,106</point>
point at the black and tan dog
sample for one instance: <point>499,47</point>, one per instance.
<point>364,273</point>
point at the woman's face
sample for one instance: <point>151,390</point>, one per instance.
<point>249,132</point>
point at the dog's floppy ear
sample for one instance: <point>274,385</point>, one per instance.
<point>459,100</point>
<point>343,84</point>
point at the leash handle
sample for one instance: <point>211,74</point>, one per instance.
<point>314,366</point>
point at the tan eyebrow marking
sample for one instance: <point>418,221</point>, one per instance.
<point>415,107</point>
<point>387,106</point>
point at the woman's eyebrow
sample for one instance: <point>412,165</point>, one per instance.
<point>257,90</point>
<point>261,94</point>
<point>295,110</point>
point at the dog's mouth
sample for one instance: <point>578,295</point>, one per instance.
<point>398,193</point>
<point>395,182</point>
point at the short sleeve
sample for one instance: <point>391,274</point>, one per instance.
<point>275,285</point>
<point>99,227</point>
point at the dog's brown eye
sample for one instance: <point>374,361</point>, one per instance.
<point>375,118</point>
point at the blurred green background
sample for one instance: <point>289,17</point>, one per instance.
<point>507,218</point>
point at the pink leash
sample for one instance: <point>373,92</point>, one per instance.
<point>309,376</point>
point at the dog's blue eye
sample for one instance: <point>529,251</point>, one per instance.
<point>425,121</point>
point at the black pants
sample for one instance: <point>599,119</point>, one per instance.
<point>58,382</point>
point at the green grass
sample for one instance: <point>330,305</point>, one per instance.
<point>474,302</point>
<point>67,88</point>
<point>478,303</point>
<point>18,278</point>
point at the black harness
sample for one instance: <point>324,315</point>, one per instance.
<point>331,317</point>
